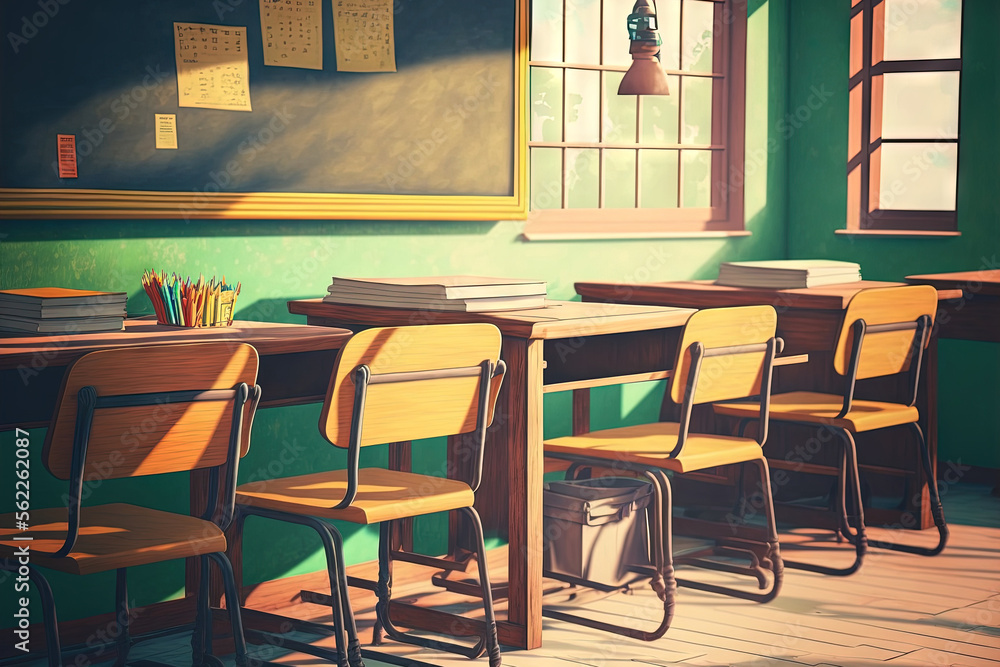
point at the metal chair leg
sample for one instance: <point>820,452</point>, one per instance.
<point>232,606</point>
<point>487,642</point>
<point>201,638</point>
<point>771,561</point>
<point>937,511</point>
<point>338,601</point>
<point>347,613</point>
<point>665,584</point>
<point>53,648</point>
<point>492,643</point>
<point>662,579</point>
<point>858,538</point>
<point>123,642</point>
<point>844,528</point>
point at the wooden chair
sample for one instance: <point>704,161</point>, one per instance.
<point>884,333</point>
<point>131,412</point>
<point>392,385</point>
<point>724,353</point>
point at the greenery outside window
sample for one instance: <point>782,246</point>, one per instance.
<point>610,166</point>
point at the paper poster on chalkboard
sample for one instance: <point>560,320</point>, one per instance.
<point>365,36</point>
<point>442,138</point>
<point>292,33</point>
<point>212,66</point>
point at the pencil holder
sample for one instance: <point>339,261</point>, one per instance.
<point>183,303</point>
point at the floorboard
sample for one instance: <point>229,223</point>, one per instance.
<point>900,610</point>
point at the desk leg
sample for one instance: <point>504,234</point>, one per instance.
<point>192,570</point>
<point>920,504</point>
<point>400,459</point>
<point>513,473</point>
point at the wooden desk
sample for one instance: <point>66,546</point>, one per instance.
<point>568,345</point>
<point>808,321</point>
<point>295,362</point>
<point>295,366</point>
<point>973,315</point>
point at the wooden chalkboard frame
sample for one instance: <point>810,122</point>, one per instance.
<point>69,203</point>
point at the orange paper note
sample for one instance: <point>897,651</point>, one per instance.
<point>67,155</point>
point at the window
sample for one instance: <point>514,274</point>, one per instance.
<point>905,69</point>
<point>604,165</point>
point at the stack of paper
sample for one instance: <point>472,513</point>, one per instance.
<point>61,310</point>
<point>788,273</point>
<point>470,294</point>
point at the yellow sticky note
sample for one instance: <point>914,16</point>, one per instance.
<point>166,130</point>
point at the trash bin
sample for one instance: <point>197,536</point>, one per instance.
<point>595,529</point>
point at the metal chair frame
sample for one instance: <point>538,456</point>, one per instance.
<point>848,471</point>
<point>220,513</point>
<point>662,575</point>
<point>349,652</point>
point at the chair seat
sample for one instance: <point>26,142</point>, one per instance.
<point>813,407</point>
<point>651,444</point>
<point>383,495</point>
<point>112,536</point>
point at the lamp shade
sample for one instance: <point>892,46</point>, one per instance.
<point>644,76</point>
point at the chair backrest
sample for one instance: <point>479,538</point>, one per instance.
<point>885,352</point>
<point>415,407</point>
<point>171,435</point>
<point>733,373</point>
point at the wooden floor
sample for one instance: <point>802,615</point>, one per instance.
<point>900,609</point>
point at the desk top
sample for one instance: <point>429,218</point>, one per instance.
<point>267,337</point>
<point>559,319</point>
<point>984,281</point>
<point>706,294</point>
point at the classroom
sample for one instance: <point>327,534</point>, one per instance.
<point>701,296</point>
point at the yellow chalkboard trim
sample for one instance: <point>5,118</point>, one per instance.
<point>116,204</point>
<point>62,204</point>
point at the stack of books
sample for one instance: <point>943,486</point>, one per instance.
<point>61,310</point>
<point>470,294</point>
<point>788,273</point>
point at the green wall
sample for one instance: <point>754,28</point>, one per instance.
<point>277,261</point>
<point>795,200</point>
<point>819,39</point>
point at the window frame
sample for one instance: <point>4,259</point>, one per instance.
<point>725,215</point>
<point>867,25</point>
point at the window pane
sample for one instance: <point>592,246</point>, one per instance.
<point>696,36</point>
<point>616,42</point>
<point>658,179</point>
<point>619,111</point>
<point>583,104</point>
<point>659,116</point>
<point>619,178</point>
<point>546,178</point>
<point>919,177</point>
<point>696,185</point>
<point>546,104</point>
<point>581,177</point>
<point>583,32</point>
<point>920,105</point>
<point>923,29</point>
<point>547,30</point>
<point>696,127</point>
<point>668,19</point>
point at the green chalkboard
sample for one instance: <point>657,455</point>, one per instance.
<point>440,138</point>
